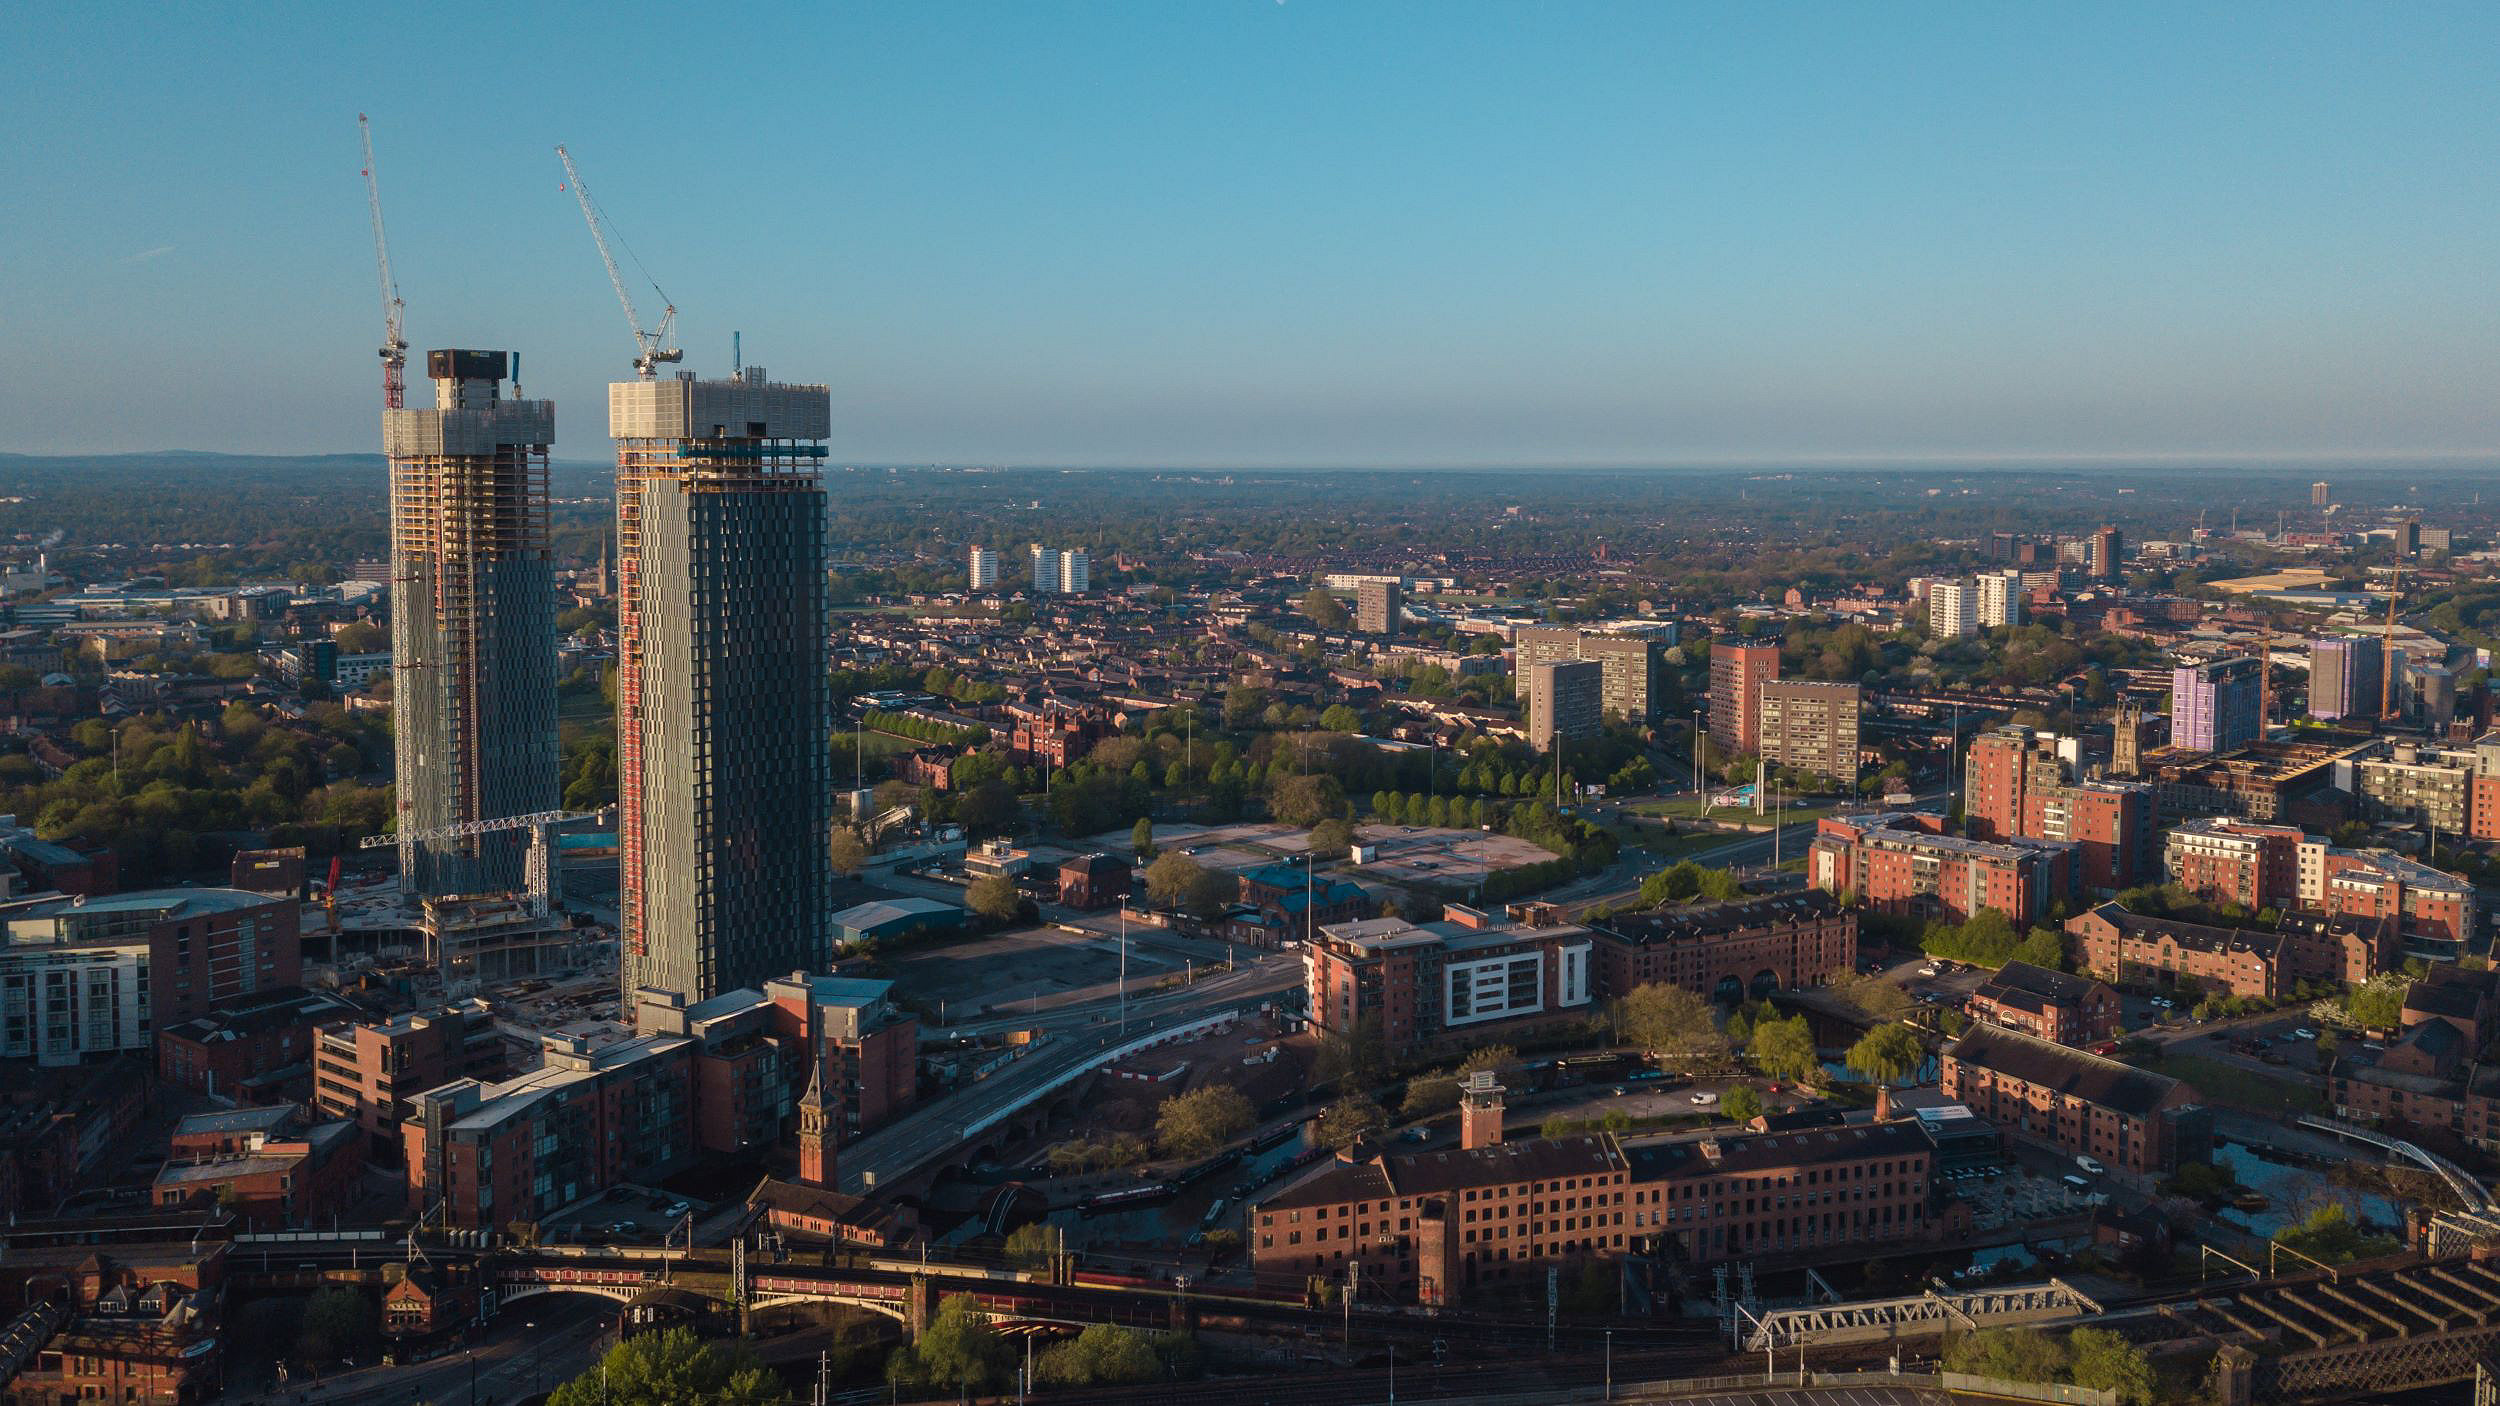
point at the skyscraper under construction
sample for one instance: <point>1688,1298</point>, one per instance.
<point>473,636</point>
<point>724,762</point>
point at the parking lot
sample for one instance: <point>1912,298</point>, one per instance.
<point>630,1215</point>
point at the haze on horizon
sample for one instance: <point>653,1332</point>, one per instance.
<point>1305,233</point>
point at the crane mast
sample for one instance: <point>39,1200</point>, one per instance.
<point>394,337</point>
<point>651,347</point>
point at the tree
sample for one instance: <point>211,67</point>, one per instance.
<point>959,1351</point>
<point>1784,1049</point>
<point>1031,1246</point>
<point>988,807</point>
<point>2103,1361</point>
<point>1105,1354</point>
<point>849,851</point>
<point>1428,1094</point>
<point>1351,1059</point>
<point>1887,1054</point>
<point>1175,880</point>
<point>2043,947</point>
<point>1340,718</point>
<point>1196,1123</point>
<point>1306,800</point>
<point>1686,880</point>
<point>2378,1002</point>
<point>674,1368</point>
<point>2007,1354</point>
<point>361,637</point>
<point>1324,609</point>
<point>337,1321</point>
<point>1872,995</point>
<point>1493,1057</point>
<point>995,897</point>
<point>1672,1024</point>
<point>1741,1104</point>
<point>1350,1118</point>
<point>1141,837</point>
<point>1331,839</point>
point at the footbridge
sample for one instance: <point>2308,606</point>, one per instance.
<point>2469,1190</point>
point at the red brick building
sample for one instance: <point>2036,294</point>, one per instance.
<point>2049,1005</point>
<point>2124,1117</point>
<point>2124,947</point>
<point>1905,864</point>
<point>295,1177</point>
<point>2222,860</point>
<point>1435,1227</point>
<point>259,1047</point>
<point>1714,949</point>
<point>1092,881</point>
<point>2018,784</point>
<point>1467,977</point>
<point>366,1070</point>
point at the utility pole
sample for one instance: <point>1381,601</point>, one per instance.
<point>1124,967</point>
<point>1353,1277</point>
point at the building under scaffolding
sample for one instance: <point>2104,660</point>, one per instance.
<point>724,764</point>
<point>472,621</point>
<point>493,938</point>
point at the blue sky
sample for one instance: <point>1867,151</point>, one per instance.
<point>1311,232</point>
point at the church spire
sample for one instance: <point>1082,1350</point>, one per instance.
<point>816,1147</point>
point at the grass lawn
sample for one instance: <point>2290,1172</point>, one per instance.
<point>2240,1088</point>
<point>872,743</point>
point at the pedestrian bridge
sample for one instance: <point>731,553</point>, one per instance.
<point>1881,1320</point>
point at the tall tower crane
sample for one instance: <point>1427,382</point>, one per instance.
<point>651,347</point>
<point>394,338</point>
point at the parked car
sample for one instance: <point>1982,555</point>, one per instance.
<point>2304,1033</point>
<point>1705,1099</point>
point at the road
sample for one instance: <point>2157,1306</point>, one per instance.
<point>528,1350</point>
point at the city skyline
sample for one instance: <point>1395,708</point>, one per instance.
<point>1382,235</point>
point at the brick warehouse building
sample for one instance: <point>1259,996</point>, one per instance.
<point>1430,1227</point>
<point>1797,939</point>
<point>2128,1118</point>
<point>2049,1005</point>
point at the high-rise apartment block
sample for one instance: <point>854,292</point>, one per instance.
<point>1634,661</point>
<point>1566,701</point>
<point>473,626</point>
<point>2000,599</point>
<point>1906,864</point>
<point>1378,607</point>
<point>2214,705</point>
<point>2344,677</point>
<point>2020,784</point>
<point>1952,609</point>
<point>984,569</point>
<point>1812,727</point>
<point>1738,670</point>
<point>2107,554</point>
<point>2320,494</point>
<point>1061,573</point>
<point>724,769</point>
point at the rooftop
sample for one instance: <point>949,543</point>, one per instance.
<point>1714,1155</point>
<point>1454,1169</point>
<point>2103,1082</point>
<point>1700,920</point>
<point>2018,979</point>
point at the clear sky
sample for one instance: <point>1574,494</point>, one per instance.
<point>1262,233</point>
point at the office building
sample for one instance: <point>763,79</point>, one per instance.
<point>2343,677</point>
<point>1738,669</point>
<point>1419,986</point>
<point>1811,727</point>
<point>1378,607</point>
<point>2000,599</point>
<point>1634,660</point>
<point>473,626</point>
<point>724,764</point>
<point>1952,609</point>
<point>91,976</point>
<point>2213,705</point>
<point>2106,558</point>
<point>1566,702</point>
<point>984,569</point>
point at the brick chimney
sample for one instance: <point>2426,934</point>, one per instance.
<point>1883,1103</point>
<point>1480,1111</point>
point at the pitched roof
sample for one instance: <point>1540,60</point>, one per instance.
<point>2030,988</point>
<point>2103,1082</point>
<point>1453,1169</point>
